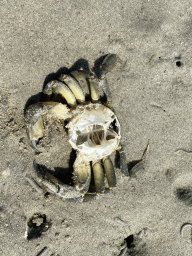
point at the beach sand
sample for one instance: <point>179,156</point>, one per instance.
<point>148,214</point>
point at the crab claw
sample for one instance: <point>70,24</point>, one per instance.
<point>34,143</point>
<point>82,178</point>
<point>34,118</point>
<point>54,185</point>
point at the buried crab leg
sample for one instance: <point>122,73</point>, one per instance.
<point>94,196</point>
<point>98,177</point>
<point>108,64</point>
<point>60,88</point>
<point>109,172</point>
<point>74,86</point>
<point>33,183</point>
<point>34,120</point>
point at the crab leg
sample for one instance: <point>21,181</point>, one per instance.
<point>109,172</point>
<point>108,64</point>
<point>81,175</point>
<point>123,162</point>
<point>60,88</point>
<point>34,120</point>
<point>94,88</point>
<point>74,86</point>
<point>78,74</point>
<point>105,86</point>
<point>98,177</point>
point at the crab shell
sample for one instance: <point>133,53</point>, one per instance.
<point>94,131</point>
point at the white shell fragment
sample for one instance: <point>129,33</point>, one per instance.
<point>94,131</point>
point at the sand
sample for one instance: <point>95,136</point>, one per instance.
<point>148,214</point>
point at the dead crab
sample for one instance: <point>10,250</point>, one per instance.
<point>93,130</point>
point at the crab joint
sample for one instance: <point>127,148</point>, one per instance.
<point>34,120</point>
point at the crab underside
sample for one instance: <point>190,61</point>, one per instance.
<point>93,131</point>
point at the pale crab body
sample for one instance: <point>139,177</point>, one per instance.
<point>93,131</point>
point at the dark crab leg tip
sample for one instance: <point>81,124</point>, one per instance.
<point>108,64</point>
<point>34,143</point>
<point>39,170</point>
<point>123,162</point>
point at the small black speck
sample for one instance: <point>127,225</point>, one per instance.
<point>11,120</point>
<point>179,63</point>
